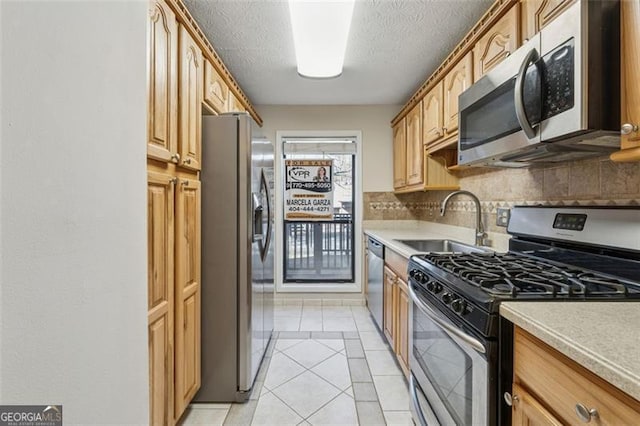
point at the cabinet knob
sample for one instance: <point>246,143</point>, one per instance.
<point>185,183</point>
<point>187,161</point>
<point>628,128</point>
<point>510,399</point>
<point>173,181</point>
<point>444,130</point>
<point>585,414</point>
<point>175,158</point>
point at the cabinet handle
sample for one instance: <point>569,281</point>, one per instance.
<point>585,414</point>
<point>187,161</point>
<point>510,399</point>
<point>444,130</point>
<point>175,158</point>
<point>628,128</point>
<point>173,181</point>
<point>185,183</point>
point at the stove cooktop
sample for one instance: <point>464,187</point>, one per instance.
<point>512,275</point>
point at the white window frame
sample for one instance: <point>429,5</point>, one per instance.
<point>282,287</point>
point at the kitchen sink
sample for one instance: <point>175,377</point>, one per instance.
<point>448,246</point>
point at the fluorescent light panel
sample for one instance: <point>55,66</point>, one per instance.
<point>320,33</point>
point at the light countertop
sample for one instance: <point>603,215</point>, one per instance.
<point>604,337</point>
<point>389,231</point>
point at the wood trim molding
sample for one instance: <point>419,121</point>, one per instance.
<point>185,18</point>
<point>495,12</point>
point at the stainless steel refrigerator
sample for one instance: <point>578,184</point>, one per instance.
<point>237,255</point>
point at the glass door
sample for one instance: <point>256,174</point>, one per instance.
<point>322,251</point>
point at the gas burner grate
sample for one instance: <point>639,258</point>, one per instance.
<point>516,275</point>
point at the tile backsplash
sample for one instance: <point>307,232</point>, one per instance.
<point>587,182</point>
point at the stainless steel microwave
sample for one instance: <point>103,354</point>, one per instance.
<point>556,98</point>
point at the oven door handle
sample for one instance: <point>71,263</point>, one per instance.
<point>521,115</point>
<point>469,340</point>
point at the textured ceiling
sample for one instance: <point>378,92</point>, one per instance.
<point>394,45</point>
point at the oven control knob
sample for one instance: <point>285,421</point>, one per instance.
<point>447,298</point>
<point>412,273</point>
<point>418,276</point>
<point>437,288</point>
<point>459,306</point>
<point>430,286</point>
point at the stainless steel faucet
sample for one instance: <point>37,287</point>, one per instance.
<point>480,234</point>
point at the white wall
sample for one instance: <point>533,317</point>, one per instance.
<point>73,209</point>
<point>373,121</point>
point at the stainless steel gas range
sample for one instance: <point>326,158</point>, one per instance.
<point>461,350</point>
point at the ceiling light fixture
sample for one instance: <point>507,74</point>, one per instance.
<point>320,33</point>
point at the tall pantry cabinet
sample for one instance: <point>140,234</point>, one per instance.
<point>175,73</point>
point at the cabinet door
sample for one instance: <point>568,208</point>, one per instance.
<point>234,104</point>
<point>536,14</point>
<point>160,232</point>
<point>389,303</point>
<point>630,57</point>
<point>528,411</point>
<point>456,82</point>
<point>190,104</point>
<point>399,155</point>
<point>187,293</point>
<point>402,336</point>
<point>501,40</point>
<point>414,146</point>
<point>162,66</point>
<point>432,109</point>
<point>216,92</point>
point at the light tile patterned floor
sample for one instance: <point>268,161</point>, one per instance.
<point>327,365</point>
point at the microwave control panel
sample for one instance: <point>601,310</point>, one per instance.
<point>558,76</point>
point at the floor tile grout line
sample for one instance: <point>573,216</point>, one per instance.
<point>327,403</point>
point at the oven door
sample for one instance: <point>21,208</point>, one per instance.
<point>449,370</point>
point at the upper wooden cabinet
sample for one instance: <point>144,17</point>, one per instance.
<point>216,91</point>
<point>162,66</point>
<point>496,44</point>
<point>190,101</point>
<point>536,14</point>
<point>630,66</point>
<point>234,104</point>
<point>432,109</point>
<point>400,154</point>
<point>414,146</point>
<point>455,82</point>
<point>562,387</point>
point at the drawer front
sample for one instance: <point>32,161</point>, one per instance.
<point>561,384</point>
<point>397,263</point>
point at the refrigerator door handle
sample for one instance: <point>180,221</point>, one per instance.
<point>257,218</point>
<point>267,238</point>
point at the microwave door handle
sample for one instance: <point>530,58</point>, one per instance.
<point>469,340</point>
<point>519,93</point>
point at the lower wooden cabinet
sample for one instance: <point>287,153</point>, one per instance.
<point>402,329</point>
<point>396,307</point>
<point>160,234</point>
<point>173,240</point>
<point>187,293</point>
<point>389,297</point>
<point>527,410</point>
<point>551,389</point>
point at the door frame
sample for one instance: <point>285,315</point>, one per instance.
<point>356,286</point>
